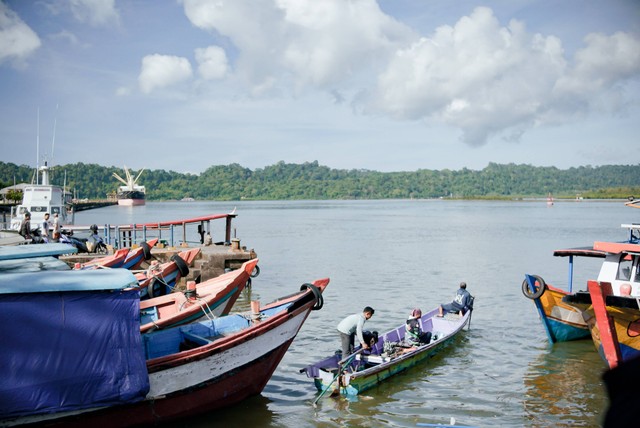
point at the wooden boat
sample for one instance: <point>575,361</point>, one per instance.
<point>212,298</point>
<point>562,320</point>
<point>161,279</point>
<point>614,321</point>
<point>355,374</point>
<point>139,255</point>
<point>126,258</point>
<point>115,260</point>
<point>610,307</point>
<point>86,364</point>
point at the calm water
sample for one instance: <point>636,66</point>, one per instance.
<point>395,255</point>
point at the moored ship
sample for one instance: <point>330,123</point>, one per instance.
<point>131,193</point>
<point>41,198</point>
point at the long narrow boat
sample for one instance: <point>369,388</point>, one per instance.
<point>139,255</point>
<point>161,279</point>
<point>126,258</point>
<point>82,361</point>
<point>212,298</point>
<point>388,356</point>
<point>112,261</point>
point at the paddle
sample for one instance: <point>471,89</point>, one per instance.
<point>342,364</point>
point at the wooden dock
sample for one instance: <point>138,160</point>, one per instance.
<point>175,236</point>
<point>91,204</point>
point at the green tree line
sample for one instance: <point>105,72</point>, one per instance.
<point>310,180</point>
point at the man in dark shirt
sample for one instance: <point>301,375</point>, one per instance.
<point>25,226</point>
<point>461,302</point>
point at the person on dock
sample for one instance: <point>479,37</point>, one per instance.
<point>25,226</point>
<point>353,326</point>
<point>414,335</point>
<point>45,228</point>
<point>56,228</point>
<point>461,302</point>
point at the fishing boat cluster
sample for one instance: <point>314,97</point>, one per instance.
<point>606,309</point>
<point>117,341</point>
<point>124,339</point>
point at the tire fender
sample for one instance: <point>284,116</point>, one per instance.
<point>146,250</point>
<point>541,287</point>
<point>181,264</point>
<point>156,288</point>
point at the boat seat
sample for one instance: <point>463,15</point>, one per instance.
<point>372,359</point>
<point>192,341</point>
<point>148,315</point>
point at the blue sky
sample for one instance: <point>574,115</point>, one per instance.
<point>392,85</point>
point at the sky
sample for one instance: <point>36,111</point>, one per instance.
<point>387,85</point>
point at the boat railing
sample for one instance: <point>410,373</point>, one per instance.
<point>634,232</point>
<point>169,233</point>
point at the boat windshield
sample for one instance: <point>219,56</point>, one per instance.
<point>624,270</point>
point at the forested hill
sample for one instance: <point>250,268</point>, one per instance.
<point>312,181</point>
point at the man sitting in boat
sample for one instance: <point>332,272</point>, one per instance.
<point>414,335</point>
<point>352,326</point>
<point>461,302</point>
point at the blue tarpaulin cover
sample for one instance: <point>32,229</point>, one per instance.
<point>70,350</point>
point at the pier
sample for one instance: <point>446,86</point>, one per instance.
<point>91,204</point>
<point>175,236</point>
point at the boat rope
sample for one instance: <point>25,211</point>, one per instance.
<point>208,313</point>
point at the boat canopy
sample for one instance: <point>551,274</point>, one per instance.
<point>32,264</point>
<point>581,252</point>
<point>617,247</point>
<point>40,250</point>
<point>72,280</point>
<point>69,350</point>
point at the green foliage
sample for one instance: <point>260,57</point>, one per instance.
<point>312,181</point>
<point>14,195</point>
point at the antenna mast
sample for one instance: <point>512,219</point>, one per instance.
<point>53,143</point>
<point>38,146</point>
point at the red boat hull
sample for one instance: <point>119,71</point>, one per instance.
<point>224,391</point>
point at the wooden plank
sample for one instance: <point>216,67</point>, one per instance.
<point>606,327</point>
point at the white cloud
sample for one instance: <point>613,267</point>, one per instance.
<point>212,62</point>
<point>308,43</point>
<point>95,12</point>
<point>490,80</point>
<point>159,71</point>
<point>600,68</point>
<point>17,40</point>
<point>478,75</point>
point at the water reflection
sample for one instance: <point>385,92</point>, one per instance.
<point>563,386</point>
<point>252,412</point>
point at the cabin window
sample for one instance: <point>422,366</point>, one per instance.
<point>624,270</point>
<point>55,210</point>
<point>636,276</point>
<point>39,209</point>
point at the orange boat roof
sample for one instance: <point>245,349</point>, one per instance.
<point>617,247</point>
